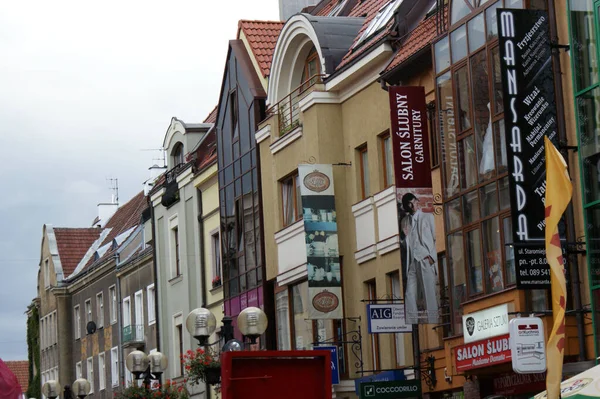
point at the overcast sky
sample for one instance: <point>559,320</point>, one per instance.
<point>85,87</point>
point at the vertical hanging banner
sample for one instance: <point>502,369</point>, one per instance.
<point>414,194</point>
<point>320,228</point>
<point>530,114</point>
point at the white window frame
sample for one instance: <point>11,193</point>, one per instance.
<point>175,247</point>
<point>90,373</point>
<point>78,370</point>
<point>150,293</point>
<point>77,323</point>
<point>215,246</point>
<point>112,293</point>
<point>138,306</point>
<point>100,309</point>
<point>114,366</point>
<point>126,311</point>
<point>178,346</point>
<point>101,372</point>
<point>383,16</point>
<point>88,311</point>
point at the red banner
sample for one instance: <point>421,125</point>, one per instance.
<point>483,353</point>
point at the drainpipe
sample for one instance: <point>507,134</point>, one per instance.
<point>120,329</point>
<point>573,264</point>
<point>155,267</point>
<point>202,261</point>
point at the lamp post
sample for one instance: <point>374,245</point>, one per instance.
<point>146,367</point>
<point>81,387</point>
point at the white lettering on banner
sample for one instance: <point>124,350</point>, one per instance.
<point>412,388</point>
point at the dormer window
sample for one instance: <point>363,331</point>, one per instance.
<point>380,21</point>
<point>233,110</point>
<point>177,154</point>
<point>338,7</point>
<point>312,68</point>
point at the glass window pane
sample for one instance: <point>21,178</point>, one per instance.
<point>513,4</point>
<point>476,33</point>
<point>489,200</point>
<point>588,107</point>
<point>283,321</point>
<point>471,207</point>
<point>447,129</point>
<point>537,300</point>
<point>459,282</point>
<point>491,21</point>
<point>482,117</point>
<point>453,214</point>
<point>389,164</point>
<point>501,157</point>
<point>462,91</point>
<point>473,247</point>
<point>364,159</point>
<point>497,88</point>
<point>303,331</point>
<point>458,40</point>
<point>442,55</point>
<point>493,255</point>
<point>468,163</point>
<point>583,40</point>
<point>504,194</point>
<point>593,244</point>
<point>459,10</point>
<point>509,252</point>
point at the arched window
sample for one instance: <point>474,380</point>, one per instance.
<point>177,154</point>
<point>312,68</point>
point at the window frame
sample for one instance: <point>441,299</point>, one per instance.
<point>112,293</point>
<point>90,372</point>
<point>78,370</point>
<point>387,163</point>
<point>101,372</point>
<point>371,287</point>
<point>77,323</point>
<point>126,300</point>
<point>114,366</point>
<point>138,304</point>
<point>294,179</point>
<point>88,311</point>
<point>215,245</point>
<point>100,309</point>
<point>47,273</point>
<point>365,178</point>
<point>151,303</point>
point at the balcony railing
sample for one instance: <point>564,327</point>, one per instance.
<point>133,333</point>
<point>287,108</point>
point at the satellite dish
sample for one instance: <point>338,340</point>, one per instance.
<point>91,327</point>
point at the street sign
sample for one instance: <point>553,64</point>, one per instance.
<point>527,345</point>
<point>390,389</point>
<point>387,318</point>
<point>335,362</point>
<point>390,375</point>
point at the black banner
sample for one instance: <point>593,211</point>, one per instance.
<point>530,114</point>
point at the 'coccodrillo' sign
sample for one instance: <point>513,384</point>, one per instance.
<point>484,353</point>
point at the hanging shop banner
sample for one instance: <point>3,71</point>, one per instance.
<point>414,193</point>
<point>387,318</point>
<point>529,114</point>
<point>486,323</point>
<point>390,389</point>
<point>320,228</point>
<point>484,353</point>
<point>528,346</point>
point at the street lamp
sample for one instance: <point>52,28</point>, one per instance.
<point>146,367</point>
<point>201,323</point>
<point>81,387</point>
<point>51,389</point>
<point>252,322</point>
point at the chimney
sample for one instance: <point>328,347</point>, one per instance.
<point>287,8</point>
<point>155,172</point>
<point>105,212</point>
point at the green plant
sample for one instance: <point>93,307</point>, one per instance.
<point>169,390</point>
<point>33,353</point>
<point>197,362</point>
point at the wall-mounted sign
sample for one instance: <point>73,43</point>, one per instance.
<point>414,193</point>
<point>390,389</point>
<point>335,362</point>
<point>530,114</point>
<point>484,353</point>
<point>320,228</point>
<point>528,347</point>
<point>391,375</point>
<point>485,323</point>
<point>387,318</point>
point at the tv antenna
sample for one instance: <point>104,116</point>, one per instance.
<point>113,185</point>
<point>161,157</point>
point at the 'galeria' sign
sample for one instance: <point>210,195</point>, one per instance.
<point>484,353</point>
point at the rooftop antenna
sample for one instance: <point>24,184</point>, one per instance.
<point>113,185</point>
<point>160,157</point>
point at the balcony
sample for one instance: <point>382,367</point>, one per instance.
<point>133,335</point>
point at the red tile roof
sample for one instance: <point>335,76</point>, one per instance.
<point>206,153</point>
<point>417,40</point>
<point>323,12</point>
<point>262,37</point>
<point>72,245</point>
<point>20,369</point>
<point>368,10</point>
<point>212,117</point>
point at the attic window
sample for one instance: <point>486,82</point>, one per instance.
<point>381,19</point>
<point>178,154</point>
<point>336,10</point>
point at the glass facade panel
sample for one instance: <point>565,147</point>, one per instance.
<point>470,207</point>
<point>593,244</point>
<point>588,113</point>
<point>489,199</point>
<point>473,248</point>
<point>498,94</point>
<point>447,127</point>
<point>501,157</point>
<point>482,116</point>
<point>493,255</point>
<point>459,282</point>
<point>461,78</point>
<point>453,214</point>
<point>460,9</point>
<point>458,43</point>
<point>468,163</point>
<point>476,30</point>
<point>509,252</point>
<point>491,21</point>
<point>584,44</point>
<point>442,55</point>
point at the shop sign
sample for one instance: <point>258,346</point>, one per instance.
<point>486,323</point>
<point>335,362</point>
<point>482,353</point>
<point>387,319</point>
<point>512,384</point>
<point>528,348</point>
<point>322,252</point>
<point>414,193</point>
<point>390,389</point>
<point>530,114</point>
<point>392,375</point>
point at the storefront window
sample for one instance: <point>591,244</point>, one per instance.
<point>303,331</point>
<point>283,321</point>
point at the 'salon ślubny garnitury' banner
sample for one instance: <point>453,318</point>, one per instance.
<point>320,227</point>
<point>414,194</point>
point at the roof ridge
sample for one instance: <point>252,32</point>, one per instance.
<point>262,21</point>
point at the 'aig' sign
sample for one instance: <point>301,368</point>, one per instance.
<point>388,318</point>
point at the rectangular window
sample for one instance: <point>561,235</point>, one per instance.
<point>139,308</point>
<point>388,160</point>
<point>101,371</point>
<point>90,373</point>
<point>175,247</point>
<point>126,312</point>
<point>114,366</point>
<point>112,293</point>
<point>100,309</point>
<point>88,311</point>
<point>215,244</point>
<point>434,144</point>
<point>179,343</point>
<point>365,184</point>
<point>291,200</point>
<point>77,320</point>
<point>150,292</point>
<point>47,273</point>
<point>78,372</point>
<point>283,320</point>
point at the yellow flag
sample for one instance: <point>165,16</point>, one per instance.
<point>558,195</point>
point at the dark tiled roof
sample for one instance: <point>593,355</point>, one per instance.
<point>420,38</point>
<point>212,117</point>
<point>206,153</point>
<point>262,37</point>
<point>20,369</point>
<point>72,245</point>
